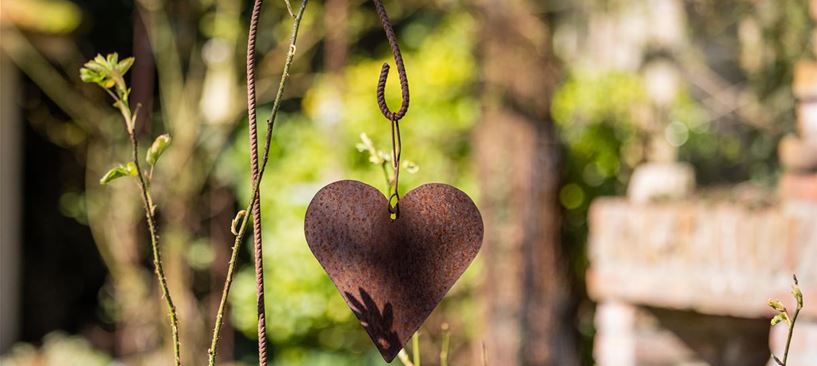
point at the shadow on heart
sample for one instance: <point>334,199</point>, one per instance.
<point>378,324</point>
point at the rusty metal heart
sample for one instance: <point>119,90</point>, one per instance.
<point>393,273</point>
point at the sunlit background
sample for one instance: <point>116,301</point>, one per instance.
<point>534,108</point>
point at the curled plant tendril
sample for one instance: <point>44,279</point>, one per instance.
<point>397,147</point>
<point>238,221</point>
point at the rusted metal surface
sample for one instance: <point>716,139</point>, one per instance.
<point>393,273</point>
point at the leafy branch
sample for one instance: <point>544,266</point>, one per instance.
<point>108,72</point>
<point>239,224</point>
<point>782,316</point>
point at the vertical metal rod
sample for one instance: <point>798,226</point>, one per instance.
<point>256,206</point>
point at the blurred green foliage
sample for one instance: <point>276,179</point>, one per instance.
<point>46,16</point>
<point>606,116</point>
<point>57,349</point>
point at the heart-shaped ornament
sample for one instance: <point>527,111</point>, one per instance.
<point>392,273</point>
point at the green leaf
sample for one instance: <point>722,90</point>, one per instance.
<point>124,65</point>
<point>90,75</point>
<point>779,318</point>
<point>111,175</point>
<point>777,305</point>
<point>113,59</point>
<point>105,71</point>
<point>157,148</point>
<point>100,60</point>
<point>130,169</point>
<point>97,71</point>
<point>127,170</point>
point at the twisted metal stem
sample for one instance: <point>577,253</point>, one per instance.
<point>256,176</point>
<point>384,70</point>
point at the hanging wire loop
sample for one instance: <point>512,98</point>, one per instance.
<point>384,71</point>
<point>397,148</point>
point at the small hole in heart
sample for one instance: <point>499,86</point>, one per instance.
<point>394,208</point>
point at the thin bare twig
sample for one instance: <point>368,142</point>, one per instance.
<point>799,299</point>
<point>788,337</point>
<point>783,316</point>
<point>289,9</point>
<point>147,201</point>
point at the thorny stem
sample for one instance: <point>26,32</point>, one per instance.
<point>256,184</point>
<point>147,201</point>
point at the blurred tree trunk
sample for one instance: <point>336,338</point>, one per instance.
<point>336,44</point>
<point>527,290</point>
<point>335,57</point>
